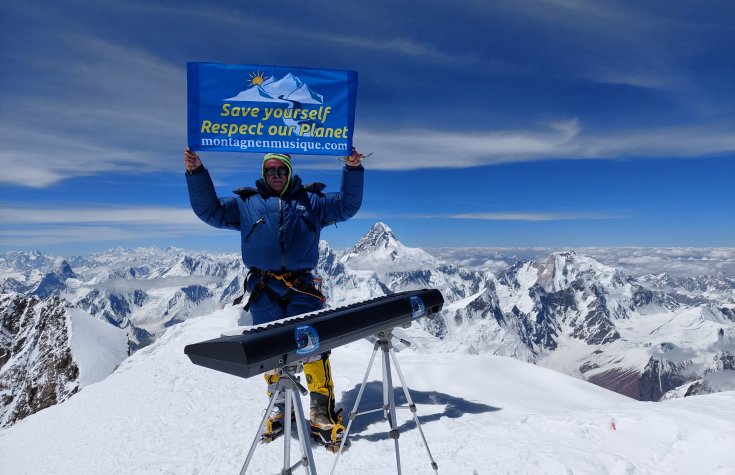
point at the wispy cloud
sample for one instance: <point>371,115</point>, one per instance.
<point>685,141</point>
<point>414,149</point>
<point>22,226</point>
<point>110,108</point>
<point>47,159</point>
<point>497,216</point>
<point>56,236</point>
<point>281,28</point>
<point>532,216</point>
<point>160,216</point>
<point>426,148</point>
<point>636,44</point>
<point>183,217</point>
<point>118,106</point>
<point>396,45</point>
<point>643,78</point>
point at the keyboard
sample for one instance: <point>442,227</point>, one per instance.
<point>279,343</point>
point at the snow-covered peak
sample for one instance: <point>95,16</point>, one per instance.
<point>379,236</point>
<point>552,273</point>
<point>63,269</point>
<point>380,251</point>
<point>324,247</point>
<point>26,261</point>
<point>560,270</point>
<point>328,262</point>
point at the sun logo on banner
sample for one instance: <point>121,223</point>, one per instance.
<point>257,78</point>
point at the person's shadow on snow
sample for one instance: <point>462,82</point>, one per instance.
<point>372,398</point>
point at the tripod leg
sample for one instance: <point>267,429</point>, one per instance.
<point>386,402</point>
<point>276,392</point>
<point>353,414</point>
<point>412,406</point>
<point>391,402</point>
<point>307,456</point>
<point>287,432</point>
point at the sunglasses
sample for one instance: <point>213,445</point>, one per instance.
<point>276,172</point>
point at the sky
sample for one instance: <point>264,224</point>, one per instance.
<point>504,123</point>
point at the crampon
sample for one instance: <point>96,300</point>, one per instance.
<point>274,428</point>
<point>329,436</point>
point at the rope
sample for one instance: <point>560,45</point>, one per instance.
<point>290,285</point>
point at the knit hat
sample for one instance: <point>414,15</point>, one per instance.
<point>284,158</point>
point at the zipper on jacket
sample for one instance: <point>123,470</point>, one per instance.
<point>261,220</point>
<point>282,238</point>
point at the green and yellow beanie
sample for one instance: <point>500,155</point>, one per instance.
<point>283,158</point>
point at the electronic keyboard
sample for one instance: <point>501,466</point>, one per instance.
<point>261,348</point>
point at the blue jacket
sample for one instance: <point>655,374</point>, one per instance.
<point>277,233</point>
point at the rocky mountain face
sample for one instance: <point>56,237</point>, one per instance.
<point>36,365</point>
<point>651,337</point>
<point>575,294</point>
<point>578,316</point>
<point>141,292</point>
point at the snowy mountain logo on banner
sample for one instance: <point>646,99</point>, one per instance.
<point>287,90</point>
<point>250,108</point>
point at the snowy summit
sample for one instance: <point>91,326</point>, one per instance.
<point>158,413</point>
<point>380,251</point>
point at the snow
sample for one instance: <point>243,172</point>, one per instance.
<point>158,413</point>
<point>398,258</point>
<point>96,346</point>
<point>461,303</point>
<point>569,355</point>
<point>527,276</point>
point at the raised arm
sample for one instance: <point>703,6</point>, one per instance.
<point>218,212</point>
<point>345,204</point>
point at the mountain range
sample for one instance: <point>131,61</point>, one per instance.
<point>649,337</point>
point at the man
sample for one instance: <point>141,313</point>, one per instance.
<point>280,222</point>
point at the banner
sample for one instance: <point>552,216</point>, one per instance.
<point>256,108</point>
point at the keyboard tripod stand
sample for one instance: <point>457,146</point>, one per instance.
<point>288,387</point>
<point>389,407</point>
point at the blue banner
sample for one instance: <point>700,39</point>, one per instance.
<point>256,108</point>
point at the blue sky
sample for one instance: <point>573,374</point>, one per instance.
<point>504,123</point>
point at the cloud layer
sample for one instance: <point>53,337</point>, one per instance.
<point>677,261</point>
